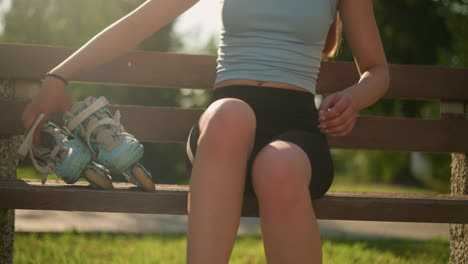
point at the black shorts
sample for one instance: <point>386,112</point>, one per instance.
<point>281,114</point>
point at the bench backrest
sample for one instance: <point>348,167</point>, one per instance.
<point>171,70</point>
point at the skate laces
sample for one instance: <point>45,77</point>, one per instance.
<point>45,168</point>
<point>100,119</point>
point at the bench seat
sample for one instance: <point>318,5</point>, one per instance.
<point>172,199</point>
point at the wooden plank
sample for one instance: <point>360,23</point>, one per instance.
<point>156,69</point>
<point>55,196</point>
<point>172,199</point>
<point>138,68</point>
<point>405,134</point>
<point>393,207</point>
<point>385,133</point>
<point>407,81</point>
<point>167,124</point>
<point>155,124</point>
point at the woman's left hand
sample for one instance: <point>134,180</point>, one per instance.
<point>337,114</point>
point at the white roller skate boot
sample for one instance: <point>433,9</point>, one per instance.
<point>110,144</point>
<point>63,154</point>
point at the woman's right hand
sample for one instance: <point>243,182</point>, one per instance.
<point>52,98</point>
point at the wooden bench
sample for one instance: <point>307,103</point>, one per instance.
<point>22,66</point>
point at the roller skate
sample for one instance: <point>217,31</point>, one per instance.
<point>107,139</point>
<point>63,154</point>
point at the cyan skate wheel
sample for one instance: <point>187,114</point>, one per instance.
<point>145,182</point>
<point>97,179</point>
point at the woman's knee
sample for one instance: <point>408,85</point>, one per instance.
<point>281,173</point>
<point>227,121</point>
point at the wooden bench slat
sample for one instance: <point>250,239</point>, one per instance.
<point>405,134</point>
<point>167,124</point>
<point>384,133</point>
<point>172,199</point>
<point>158,69</point>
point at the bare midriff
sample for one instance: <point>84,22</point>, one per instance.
<point>259,83</point>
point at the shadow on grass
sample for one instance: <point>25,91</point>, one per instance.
<point>432,251</point>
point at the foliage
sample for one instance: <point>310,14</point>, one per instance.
<point>412,32</point>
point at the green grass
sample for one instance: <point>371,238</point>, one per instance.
<point>74,247</point>
<point>31,173</point>
<point>376,187</point>
<point>347,250</point>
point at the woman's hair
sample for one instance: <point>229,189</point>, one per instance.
<point>332,44</point>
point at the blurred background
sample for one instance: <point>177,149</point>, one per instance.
<point>429,32</point>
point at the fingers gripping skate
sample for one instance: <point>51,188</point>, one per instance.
<point>26,148</point>
<point>61,153</point>
<point>110,144</point>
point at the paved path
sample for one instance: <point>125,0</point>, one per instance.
<point>59,221</point>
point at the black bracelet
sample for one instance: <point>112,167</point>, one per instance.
<point>57,77</point>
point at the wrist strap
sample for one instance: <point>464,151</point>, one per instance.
<point>57,77</point>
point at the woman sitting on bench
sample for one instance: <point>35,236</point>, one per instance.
<point>261,134</point>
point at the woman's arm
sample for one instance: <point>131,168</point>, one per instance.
<point>338,111</point>
<point>123,35</point>
<point>112,41</point>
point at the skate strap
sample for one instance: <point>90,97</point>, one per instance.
<point>26,148</point>
<point>105,121</point>
<point>91,109</point>
<point>117,117</point>
<point>188,149</point>
<point>55,151</point>
<point>23,149</point>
